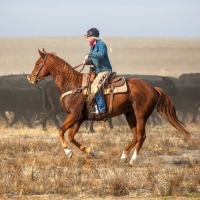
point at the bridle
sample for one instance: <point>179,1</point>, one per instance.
<point>38,71</point>
<point>42,65</point>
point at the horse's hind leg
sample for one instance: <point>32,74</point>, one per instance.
<point>130,117</point>
<point>141,136</point>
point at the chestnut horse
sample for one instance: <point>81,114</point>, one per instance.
<point>136,104</point>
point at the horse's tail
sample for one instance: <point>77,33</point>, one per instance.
<point>166,109</point>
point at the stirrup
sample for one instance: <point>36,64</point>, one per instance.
<point>99,113</point>
<point>102,116</point>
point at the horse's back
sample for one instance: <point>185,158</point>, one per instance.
<point>136,84</point>
<point>142,93</point>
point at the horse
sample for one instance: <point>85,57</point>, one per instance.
<point>137,104</point>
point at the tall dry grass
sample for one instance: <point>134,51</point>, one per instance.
<point>32,163</point>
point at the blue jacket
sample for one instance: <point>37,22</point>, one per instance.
<point>99,57</point>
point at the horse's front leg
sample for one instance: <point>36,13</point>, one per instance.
<point>69,123</point>
<point>73,130</point>
<point>73,125</point>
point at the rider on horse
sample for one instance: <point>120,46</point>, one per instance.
<point>98,56</point>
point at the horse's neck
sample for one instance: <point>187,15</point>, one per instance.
<point>67,78</point>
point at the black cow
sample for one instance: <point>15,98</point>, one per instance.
<point>186,101</point>
<point>154,78</point>
<point>15,81</point>
<point>21,81</point>
<point>22,101</point>
<point>190,79</point>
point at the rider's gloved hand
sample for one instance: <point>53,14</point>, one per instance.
<point>85,59</point>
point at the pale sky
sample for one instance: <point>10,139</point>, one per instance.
<point>131,18</point>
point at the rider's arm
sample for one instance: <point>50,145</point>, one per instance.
<point>87,60</point>
<point>100,53</point>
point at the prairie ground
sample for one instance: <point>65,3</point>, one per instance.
<point>33,165</point>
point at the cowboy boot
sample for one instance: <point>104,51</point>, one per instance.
<point>101,116</point>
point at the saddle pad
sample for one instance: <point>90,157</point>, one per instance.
<point>120,89</point>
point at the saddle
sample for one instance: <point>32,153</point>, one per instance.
<point>114,79</point>
<point>114,84</point>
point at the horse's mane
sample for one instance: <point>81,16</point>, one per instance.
<point>73,76</point>
<point>64,63</point>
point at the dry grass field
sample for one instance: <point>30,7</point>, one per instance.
<point>33,164</point>
<point>161,56</point>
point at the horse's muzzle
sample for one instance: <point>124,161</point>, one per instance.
<point>32,79</point>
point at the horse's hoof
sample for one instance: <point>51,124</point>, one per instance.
<point>123,157</point>
<point>110,129</point>
<point>123,160</point>
<point>131,163</point>
<point>69,153</point>
<point>91,151</point>
<point>90,131</point>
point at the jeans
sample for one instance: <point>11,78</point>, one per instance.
<point>100,102</point>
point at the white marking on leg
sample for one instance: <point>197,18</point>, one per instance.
<point>134,156</point>
<point>91,151</point>
<point>68,152</point>
<point>124,156</point>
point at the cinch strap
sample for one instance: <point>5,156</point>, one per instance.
<point>70,92</point>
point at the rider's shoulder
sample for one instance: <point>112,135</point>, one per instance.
<point>101,43</point>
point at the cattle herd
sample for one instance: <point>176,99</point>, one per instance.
<point>30,104</point>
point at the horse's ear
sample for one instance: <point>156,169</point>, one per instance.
<point>41,54</point>
<point>54,53</point>
<point>43,50</point>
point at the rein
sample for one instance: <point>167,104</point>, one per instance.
<point>49,76</point>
